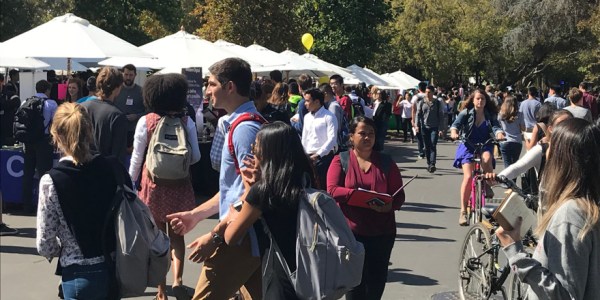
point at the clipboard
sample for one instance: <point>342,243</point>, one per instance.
<point>362,197</point>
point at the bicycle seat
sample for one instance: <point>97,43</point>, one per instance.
<point>488,209</point>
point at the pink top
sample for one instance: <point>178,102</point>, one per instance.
<point>364,221</point>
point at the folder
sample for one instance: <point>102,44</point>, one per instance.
<point>361,197</point>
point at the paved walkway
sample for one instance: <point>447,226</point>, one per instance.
<point>424,259</point>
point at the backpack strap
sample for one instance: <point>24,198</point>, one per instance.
<point>242,118</point>
<point>545,147</point>
<point>543,127</point>
<point>344,158</point>
<point>385,161</point>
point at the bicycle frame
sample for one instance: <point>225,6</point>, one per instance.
<point>477,202</point>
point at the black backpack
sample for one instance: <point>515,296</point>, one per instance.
<point>357,107</point>
<point>29,121</point>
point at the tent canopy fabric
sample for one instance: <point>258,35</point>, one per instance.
<point>255,57</point>
<point>184,50</point>
<point>20,62</point>
<point>349,78</point>
<point>52,39</point>
<point>368,76</point>
<point>142,63</point>
<point>402,80</point>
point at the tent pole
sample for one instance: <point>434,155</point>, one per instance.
<point>68,67</point>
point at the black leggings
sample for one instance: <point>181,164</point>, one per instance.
<point>377,256</point>
<point>407,128</point>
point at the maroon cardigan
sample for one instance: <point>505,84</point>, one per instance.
<point>364,221</point>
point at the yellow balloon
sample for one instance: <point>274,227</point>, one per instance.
<point>307,41</point>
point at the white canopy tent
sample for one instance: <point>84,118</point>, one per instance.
<point>51,40</point>
<point>260,59</point>
<point>370,78</point>
<point>402,80</point>
<point>298,65</point>
<point>349,78</point>
<point>184,50</point>
<point>141,63</point>
<point>19,61</point>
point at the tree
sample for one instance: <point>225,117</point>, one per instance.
<point>345,31</point>
<point>271,24</point>
<point>448,38</point>
<point>544,33</point>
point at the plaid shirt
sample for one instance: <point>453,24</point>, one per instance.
<point>217,144</point>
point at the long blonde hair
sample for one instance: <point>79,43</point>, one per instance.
<point>571,172</point>
<point>72,131</point>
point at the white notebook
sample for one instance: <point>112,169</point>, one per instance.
<point>512,207</point>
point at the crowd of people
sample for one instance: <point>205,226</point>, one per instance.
<point>276,139</point>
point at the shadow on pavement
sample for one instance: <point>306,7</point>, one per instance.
<point>19,250</point>
<point>420,238</point>
<point>402,275</point>
<point>26,232</point>
<point>417,226</point>
<point>425,207</point>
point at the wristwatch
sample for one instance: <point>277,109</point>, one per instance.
<point>217,239</point>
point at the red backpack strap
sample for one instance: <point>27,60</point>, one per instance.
<point>242,118</point>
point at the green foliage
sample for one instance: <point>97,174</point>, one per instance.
<point>136,21</point>
<point>268,23</point>
<point>511,42</point>
<point>346,31</point>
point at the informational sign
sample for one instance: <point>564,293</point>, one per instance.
<point>62,91</point>
<point>11,175</point>
<point>194,79</point>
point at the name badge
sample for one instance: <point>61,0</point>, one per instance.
<point>129,101</point>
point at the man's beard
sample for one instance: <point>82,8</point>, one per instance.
<point>128,82</point>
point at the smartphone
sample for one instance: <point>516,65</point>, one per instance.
<point>376,201</point>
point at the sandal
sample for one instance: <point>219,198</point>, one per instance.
<point>462,220</point>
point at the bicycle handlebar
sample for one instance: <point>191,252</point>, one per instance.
<point>530,200</point>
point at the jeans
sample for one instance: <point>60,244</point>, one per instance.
<point>375,269</point>
<point>85,281</point>
<point>38,156</point>
<point>510,152</point>
<point>430,139</point>
<point>420,143</point>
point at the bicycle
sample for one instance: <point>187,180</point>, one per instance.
<point>478,194</point>
<point>479,270</point>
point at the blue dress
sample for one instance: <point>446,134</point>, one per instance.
<point>465,154</point>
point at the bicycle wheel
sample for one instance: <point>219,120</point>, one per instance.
<point>516,288</point>
<point>476,264</point>
<point>478,200</point>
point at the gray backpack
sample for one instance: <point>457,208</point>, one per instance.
<point>329,259</point>
<point>142,256</point>
<point>168,158</point>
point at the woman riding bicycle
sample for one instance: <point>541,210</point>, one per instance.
<point>566,262</point>
<point>477,119</point>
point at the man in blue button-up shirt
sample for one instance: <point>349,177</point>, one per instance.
<point>226,268</point>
